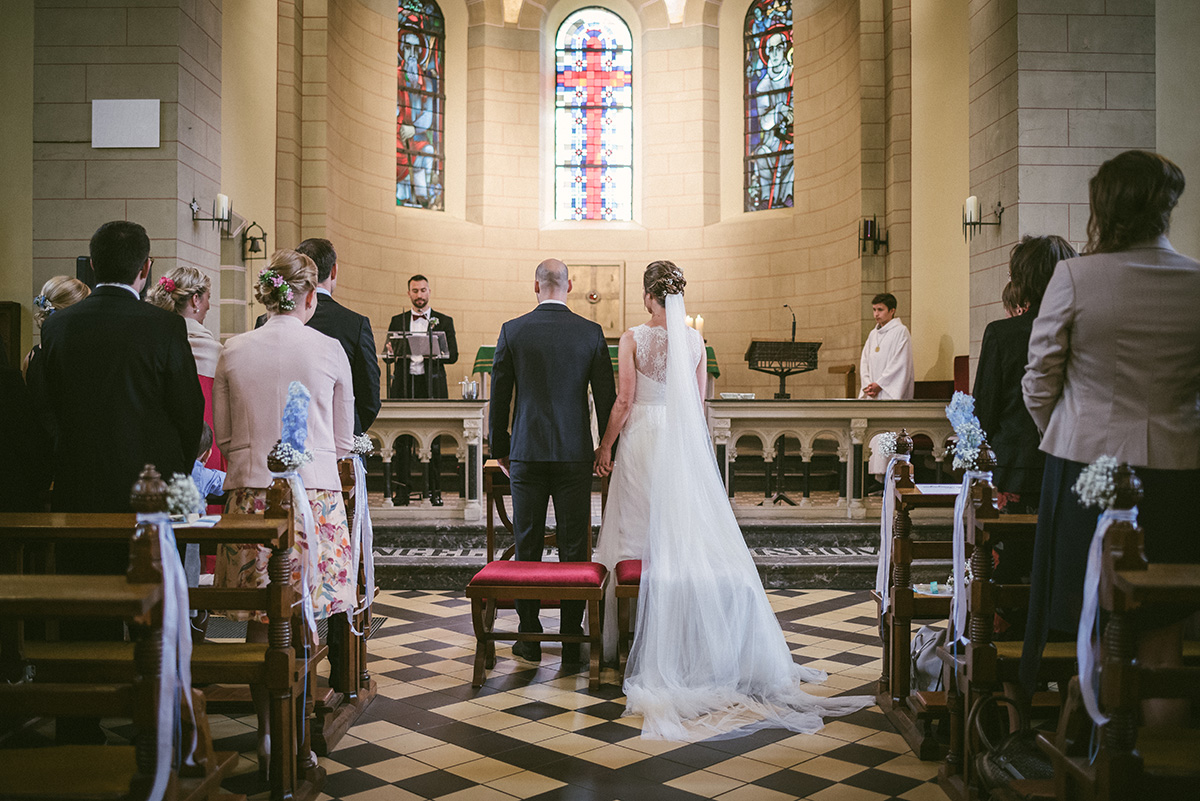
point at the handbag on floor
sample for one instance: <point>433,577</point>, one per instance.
<point>926,671</point>
<point>1015,758</point>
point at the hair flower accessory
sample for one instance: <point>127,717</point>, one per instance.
<point>961,414</point>
<point>43,303</point>
<point>274,284</point>
<point>167,283</point>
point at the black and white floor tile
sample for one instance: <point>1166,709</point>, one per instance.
<point>537,732</point>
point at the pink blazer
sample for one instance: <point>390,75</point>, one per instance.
<point>250,391</point>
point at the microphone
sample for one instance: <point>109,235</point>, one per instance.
<point>789,308</point>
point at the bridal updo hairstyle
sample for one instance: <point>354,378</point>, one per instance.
<point>288,278</point>
<point>59,292</point>
<point>1131,198</point>
<point>173,291</point>
<point>663,278</point>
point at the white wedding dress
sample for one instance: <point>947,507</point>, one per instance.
<point>709,658</point>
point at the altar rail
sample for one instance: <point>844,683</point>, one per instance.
<point>849,423</point>
<point>425,421</point>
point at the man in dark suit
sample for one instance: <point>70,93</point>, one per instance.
<point>549,357</point>
<point>351,329</point>
<point>418,377</point>
<point>116,383</point>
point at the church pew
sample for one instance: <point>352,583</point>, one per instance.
<point>100,771</point>
<point>1132,761</point>
<point>277,664</point>
<point>981,666</point>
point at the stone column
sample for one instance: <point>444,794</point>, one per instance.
<point>84,53</point>
<point>1056,89</point>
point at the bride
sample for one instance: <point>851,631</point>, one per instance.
<point>708,657</point>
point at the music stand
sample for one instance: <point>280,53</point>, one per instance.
<point>782,359</point>
<point>405,344</point>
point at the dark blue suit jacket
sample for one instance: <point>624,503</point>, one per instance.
<point>549,357</point>
<point>116,384</point>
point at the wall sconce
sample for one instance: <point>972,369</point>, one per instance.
<point>222,212</point>
<point>254,247</point>
<point>869,233</point>
<point>971,218</point>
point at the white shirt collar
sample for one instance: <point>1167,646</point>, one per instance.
<point>323,291</point>
<point>136,294</point>
<point>890,324</point>
<point>427,313</point>
<point>552,300</point>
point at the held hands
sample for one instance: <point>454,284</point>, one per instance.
<point>504,465</point>
<point>604,463</point>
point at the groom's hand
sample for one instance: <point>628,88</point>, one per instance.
<point>603,465</point>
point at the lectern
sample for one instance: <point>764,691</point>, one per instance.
<point>430,344</point>
<point>782,359</point>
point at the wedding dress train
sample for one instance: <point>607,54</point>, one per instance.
<point>709,657</point>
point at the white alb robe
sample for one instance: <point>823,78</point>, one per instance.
<point>887,361</point>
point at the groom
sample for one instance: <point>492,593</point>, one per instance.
<point>549,357</point>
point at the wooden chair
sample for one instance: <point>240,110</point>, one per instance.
<point>350,689</point>
<point>275,664</point>
<point>628,575</point>
<point>100,771</point>
<point>1132,762</point>
<point>504,580</point>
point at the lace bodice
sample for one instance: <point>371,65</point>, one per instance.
<point>650,358</point>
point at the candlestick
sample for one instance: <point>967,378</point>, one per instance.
<point>222,207</point>
<point>700,325</point>
<point>971,209</point>
<point>691,323</point>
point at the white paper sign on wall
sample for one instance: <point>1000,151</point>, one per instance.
<point>125,123</point>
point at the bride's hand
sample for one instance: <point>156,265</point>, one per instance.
<point>604,464</point>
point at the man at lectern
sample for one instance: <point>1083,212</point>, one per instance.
<point>886,365</point>
<point>426,378</point>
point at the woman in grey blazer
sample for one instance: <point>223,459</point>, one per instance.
<point>1114,369</point>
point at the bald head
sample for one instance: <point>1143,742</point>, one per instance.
<point>551,281</point>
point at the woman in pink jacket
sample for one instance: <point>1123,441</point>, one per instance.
<point>249,393</point>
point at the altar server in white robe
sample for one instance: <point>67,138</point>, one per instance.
<point>886,365</point>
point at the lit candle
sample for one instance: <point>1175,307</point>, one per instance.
<point>222,207</point>
<point>971,209</point>
<point>690,322</point>
<point>700,325</point>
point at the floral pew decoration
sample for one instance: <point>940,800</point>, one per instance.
<point>361,532</point>
<point>970,448</point>
<point>898,447</point>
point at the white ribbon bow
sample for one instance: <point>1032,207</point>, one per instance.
<point>883,571</point>
<point>958,615</point>
<point>363,541</point>
<point>175,677</point>
<point>1087,641</point>
<point>308,560</point>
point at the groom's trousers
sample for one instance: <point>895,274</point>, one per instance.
<point>533,484</point>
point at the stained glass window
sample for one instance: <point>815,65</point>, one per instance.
<point>768,154</point>
<point>420,105</point>
<point>593,118</point>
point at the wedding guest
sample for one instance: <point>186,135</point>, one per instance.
<point>998,402</point>
<point>1114,369</point>
<point>188,292</point>
<point>59,292</point>
<point>249,393</point>
<point>1010,298</point>
<point>24,458</point>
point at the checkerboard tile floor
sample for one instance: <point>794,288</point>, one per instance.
<point>537,732</point>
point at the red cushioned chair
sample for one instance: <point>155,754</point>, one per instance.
<point>503,580</point>
<point>629,578</point>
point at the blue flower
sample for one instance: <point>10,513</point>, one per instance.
<point>961,414</point>
<point>295,416</point>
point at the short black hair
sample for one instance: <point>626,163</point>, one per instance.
<point>206,440</point>
<point>886,298</point>
<point>323,255</point>
<point>118,250</point>
<point>418,277</point>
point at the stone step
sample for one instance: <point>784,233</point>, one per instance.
<point>824,567</point>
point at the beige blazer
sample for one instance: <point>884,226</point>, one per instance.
<point>1114,359</point>
<point>250,391</point>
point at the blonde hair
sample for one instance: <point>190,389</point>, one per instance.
<point>296,274</point>
<point>173,291</point>
<point>663,278</point>
<point>59,292</point>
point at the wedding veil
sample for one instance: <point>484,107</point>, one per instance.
<point>709,658</point>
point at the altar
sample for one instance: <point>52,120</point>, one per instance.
<point>424,421</point>
<point>848,423</point>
